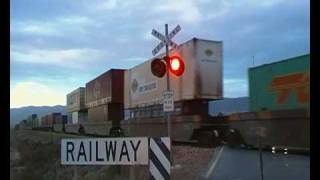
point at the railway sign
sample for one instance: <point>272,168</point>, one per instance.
<point>165,40</point>
<point>105,151</point>
<point>154,152</point>
<point>168,105</point>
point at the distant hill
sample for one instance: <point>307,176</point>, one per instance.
<point>18,114</point>
<point>229,105</point>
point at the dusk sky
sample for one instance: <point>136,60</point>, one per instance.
<point>59,45</point>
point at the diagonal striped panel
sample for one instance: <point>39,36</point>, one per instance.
<point>162,153</point>
<point>154,172</point>
<point>161,167</point>
<point>159,158</point>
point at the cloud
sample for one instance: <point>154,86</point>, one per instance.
<point>185,11</point>
<point>107,5</point>
<point>31,93</point>
<point>47,29</point>
<point>71,58</point>
<point>58,26</point>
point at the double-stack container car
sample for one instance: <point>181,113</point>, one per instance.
<point>104,96</point>
<point>33,121</point>
<point>279,104</point>
<point>200,83</point>
<point>76,107</point>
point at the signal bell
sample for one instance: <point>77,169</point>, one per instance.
<point>158,68</point>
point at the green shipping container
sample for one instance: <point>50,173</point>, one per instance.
<point>280,85</point>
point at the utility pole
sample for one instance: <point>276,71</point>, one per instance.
<point>168,82</point>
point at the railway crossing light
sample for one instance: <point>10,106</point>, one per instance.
<point>158,68</point>
<point>175,65</point>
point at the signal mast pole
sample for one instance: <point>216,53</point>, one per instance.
<point>168,82</point>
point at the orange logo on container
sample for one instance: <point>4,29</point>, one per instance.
<point>298,83</point>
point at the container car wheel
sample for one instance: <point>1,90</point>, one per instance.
<point>208,138</point>
<point>235,139</point>
<point>116,132</point>
<point>81,129</point>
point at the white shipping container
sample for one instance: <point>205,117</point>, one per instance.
<point>75,117</point>
<point>202,78</point>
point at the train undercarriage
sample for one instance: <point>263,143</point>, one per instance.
<point>275,128</point>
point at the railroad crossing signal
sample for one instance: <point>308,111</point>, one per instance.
<point>173,64</point>
<point>165,40</point>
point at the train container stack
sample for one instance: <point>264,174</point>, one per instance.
<point>104,103</point>
<point>76,108</point>
<point>281,85</point>
<point>64,119</point>
<point>200,83</point>
<point>279,102</point>
<point>32,121</point>
<point>23,124</point>
<point>43,120</point>
<point>104,96</point>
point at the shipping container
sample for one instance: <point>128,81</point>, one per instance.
<point>280,85</point>
<point>50,119</point>
<point>76,100</point>
<point>202,78</point>
<point>57,118</point>
<point>79,117</point>
<point>64,119</point>
<point>43,121</point>
<point>32,121</point>
<point>69,118</point>
<point>106,112</point>
<point>106,88</point>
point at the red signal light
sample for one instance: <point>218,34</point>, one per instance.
<point>158,68</point>
<point>176,65</point>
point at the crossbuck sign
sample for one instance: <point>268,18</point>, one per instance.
<point>165,40</point>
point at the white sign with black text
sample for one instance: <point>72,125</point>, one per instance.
<point>168,104</point>
<point>105,151</point>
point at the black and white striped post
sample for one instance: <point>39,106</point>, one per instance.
<point>159,158</point>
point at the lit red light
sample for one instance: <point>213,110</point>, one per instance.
<point>175,64</point>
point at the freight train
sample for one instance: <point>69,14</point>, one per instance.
<point>129,102</point>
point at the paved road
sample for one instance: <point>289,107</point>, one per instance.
<point>239,164</point>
